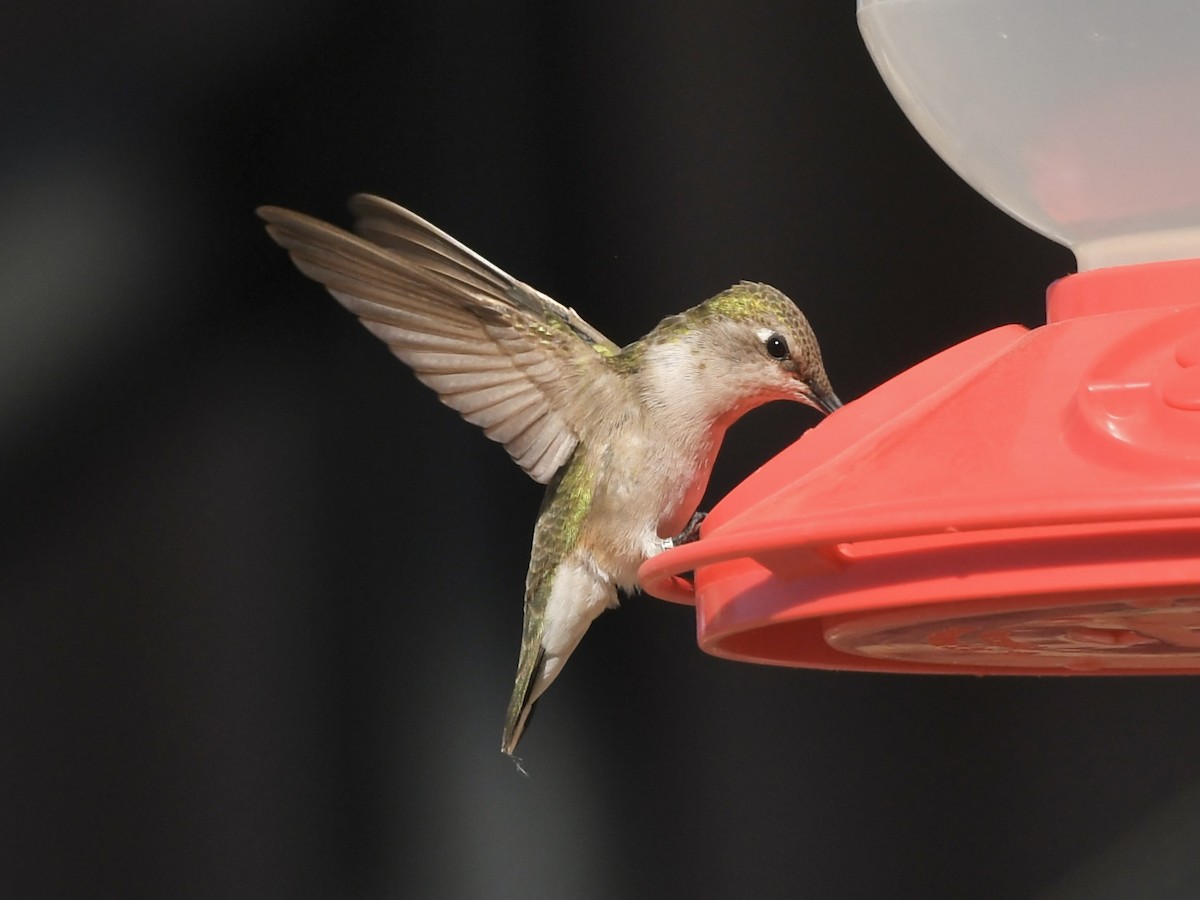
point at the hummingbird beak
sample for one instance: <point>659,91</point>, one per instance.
<point>826,400</point>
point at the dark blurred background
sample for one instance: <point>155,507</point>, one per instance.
<point>260,594</point>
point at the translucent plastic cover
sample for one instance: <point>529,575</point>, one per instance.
<point>1081,118</point>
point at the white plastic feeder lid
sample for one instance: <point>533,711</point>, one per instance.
<point>1080,118</point>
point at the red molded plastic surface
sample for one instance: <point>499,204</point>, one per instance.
<point>1024,502</point>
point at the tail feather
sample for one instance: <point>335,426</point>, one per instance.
<point>520,707</point>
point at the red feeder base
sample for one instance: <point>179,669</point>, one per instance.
<point>1026,502</point>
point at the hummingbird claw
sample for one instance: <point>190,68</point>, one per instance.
<point>690,533</point>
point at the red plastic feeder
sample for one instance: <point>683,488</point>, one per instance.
<point>1033,507</point>
<point>1026,502</point>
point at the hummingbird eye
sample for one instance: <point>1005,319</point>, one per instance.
<point>777,346</point>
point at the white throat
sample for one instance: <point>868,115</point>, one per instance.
<point>684,390</point>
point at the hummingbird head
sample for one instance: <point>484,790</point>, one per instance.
<point>744,347</point>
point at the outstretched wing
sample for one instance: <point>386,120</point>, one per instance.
<point>506,356</point>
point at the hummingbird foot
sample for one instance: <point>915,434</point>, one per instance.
<point>690,532</point>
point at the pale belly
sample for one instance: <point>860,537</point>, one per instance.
<point>638,508</point>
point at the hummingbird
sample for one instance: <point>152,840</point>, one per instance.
<point>624,438</point>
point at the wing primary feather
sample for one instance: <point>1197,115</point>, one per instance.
<point>493,348</point>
